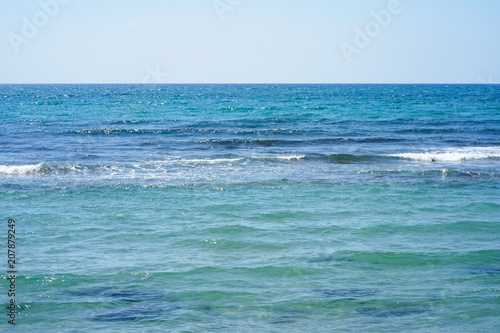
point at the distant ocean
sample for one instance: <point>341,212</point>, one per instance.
<point>252,208</point>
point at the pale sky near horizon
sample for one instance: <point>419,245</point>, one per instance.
<point>249,41</point>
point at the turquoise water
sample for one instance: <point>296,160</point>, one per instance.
<point>242,208</point>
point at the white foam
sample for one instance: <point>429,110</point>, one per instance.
<point>211,161</point>
<point>452,154</point>
<point>283,158</point>
<point>20,169</point>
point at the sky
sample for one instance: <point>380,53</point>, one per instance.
<point>249,41</point>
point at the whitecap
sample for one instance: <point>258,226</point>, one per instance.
<point>282,158</point>
<point>452,154</point>
<point>211,161</point>
<point>20,169</point>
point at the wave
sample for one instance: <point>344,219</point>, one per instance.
<point>452,154</point>
<point>42,169</point>
<point>207,160</point>
<point>280,158</point>
<point>185,161</point>
<point>234,137</point>
<point>50,169</point>
<point>177,167</point>
<point>21,169</point>
<point>344,158</point>
<point>297,142</point>
<point>329,158</point>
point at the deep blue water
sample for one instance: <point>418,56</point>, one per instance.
<point>247,208</point>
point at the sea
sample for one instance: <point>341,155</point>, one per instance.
<point>250,208</point>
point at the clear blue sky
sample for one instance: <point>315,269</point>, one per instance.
<point>249,41</point>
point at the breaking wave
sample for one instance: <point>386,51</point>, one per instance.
<point>452,154</point>
<point>21,169</point>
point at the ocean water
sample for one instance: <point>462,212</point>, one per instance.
<point>252,208</point>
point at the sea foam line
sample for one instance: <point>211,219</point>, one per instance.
<point>282,158</point>
<point>452,154</point>
<point>236,159</point>
<point>209,161</point>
